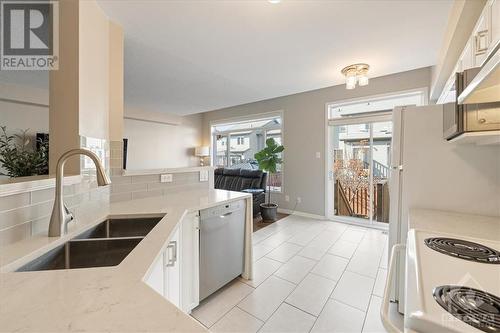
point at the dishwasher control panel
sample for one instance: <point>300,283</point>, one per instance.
<point>222,210</point>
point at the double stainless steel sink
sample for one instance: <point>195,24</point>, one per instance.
<point>106,244</point>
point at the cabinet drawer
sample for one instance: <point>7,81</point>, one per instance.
<point>484,118</point>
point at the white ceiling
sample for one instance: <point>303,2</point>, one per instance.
<point>186,57</point>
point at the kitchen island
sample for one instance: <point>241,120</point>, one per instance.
<point>111,299</point>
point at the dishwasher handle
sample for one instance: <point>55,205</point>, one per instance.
<point>227,214</point>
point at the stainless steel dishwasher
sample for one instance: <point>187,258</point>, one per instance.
<point>222,240</point>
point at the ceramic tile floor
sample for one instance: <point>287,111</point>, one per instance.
<point>309,276</point>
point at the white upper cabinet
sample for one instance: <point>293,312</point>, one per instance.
<point>495,23</point>
<point>486,34</point>
<point>482,42</point>
<point>467,58</point>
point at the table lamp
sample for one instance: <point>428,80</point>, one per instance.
<point>202,152</point>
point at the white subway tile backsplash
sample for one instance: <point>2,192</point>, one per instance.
<point>116,162</point>
<point>15,234</point>
<point>14,201</point>
<point>146,194</point>
<point>146,179</point>
<point>10,218</point>
<point>43,195</point>
<point>40,226</point>
<point>116,197</point>
<point>113,145</point>
<point>120,180</point>
<point>120,188</point>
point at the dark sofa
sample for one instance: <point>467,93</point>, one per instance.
<point>243,180</point>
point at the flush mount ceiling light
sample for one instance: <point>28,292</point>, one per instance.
<point>274,1</point>
<point>356,73</point>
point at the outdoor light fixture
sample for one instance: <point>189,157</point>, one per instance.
<point>357,73</point>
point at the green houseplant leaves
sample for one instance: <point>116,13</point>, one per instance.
<point>268,159</point>
<point>18,156</point>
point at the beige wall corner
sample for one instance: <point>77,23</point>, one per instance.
<point>64,90</point>
<point>94,71</point>
<point>116,66</point>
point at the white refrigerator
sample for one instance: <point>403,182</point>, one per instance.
<point>430,172</point>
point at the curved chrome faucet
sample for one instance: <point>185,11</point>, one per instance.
<point>60,214</point>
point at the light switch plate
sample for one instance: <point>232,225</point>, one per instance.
<point>166,178</point>
<point>204,176</point>
<point>318,154</point>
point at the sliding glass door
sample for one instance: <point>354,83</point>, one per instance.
<point>360,170</point>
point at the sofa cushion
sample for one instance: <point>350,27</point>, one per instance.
<point>251,178</point>
<point>231,172</point>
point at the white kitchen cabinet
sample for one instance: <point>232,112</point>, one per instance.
<point>467,58</point>
<point>172,269</point>
<point>156,279</point>
<point>190,261</point>
<point>175,272</point>
<point>495,23</point>
<point>484,39</point>
<point>486,34</point>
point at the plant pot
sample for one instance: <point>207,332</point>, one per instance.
<point>269,212</point>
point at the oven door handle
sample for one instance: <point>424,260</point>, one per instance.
<point>384,310</point>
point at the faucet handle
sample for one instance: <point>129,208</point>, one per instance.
<point>69,215</point>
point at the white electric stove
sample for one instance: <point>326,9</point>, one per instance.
<point>452,283</point>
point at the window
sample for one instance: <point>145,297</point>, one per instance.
<point>359,139</point>
<point>381,103</point>
<point>235,144</point>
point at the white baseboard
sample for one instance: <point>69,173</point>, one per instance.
<point>292,212</point>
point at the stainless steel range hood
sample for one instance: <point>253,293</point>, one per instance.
<point>485,87</point>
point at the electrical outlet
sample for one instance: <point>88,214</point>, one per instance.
<point>287,198</point>
<point>299,200</point>
<point>166,178</point>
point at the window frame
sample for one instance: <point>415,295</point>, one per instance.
<point>249,118</point>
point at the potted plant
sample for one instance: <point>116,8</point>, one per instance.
<point>20,158</point>
<point>268,159</point>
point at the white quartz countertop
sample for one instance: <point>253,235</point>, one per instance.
<point>105,299</point>
<point>475,226</point>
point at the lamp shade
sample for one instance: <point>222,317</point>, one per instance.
<point>202,151</point>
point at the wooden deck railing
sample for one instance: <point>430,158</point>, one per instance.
<point>357,204</point>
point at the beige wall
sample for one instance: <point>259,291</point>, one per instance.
<point>24,107</point>
<point>64,92</point>
<point>93,71</point>
<point>304,132</point>
<point>115,82</point>
<point>153,145</point>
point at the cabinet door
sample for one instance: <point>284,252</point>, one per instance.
<point>156,279</point>
<point>172,269</point>
<point>190,240</point>
<point>495,23</point>
<point>481,37</point>
<point>467,60</point>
